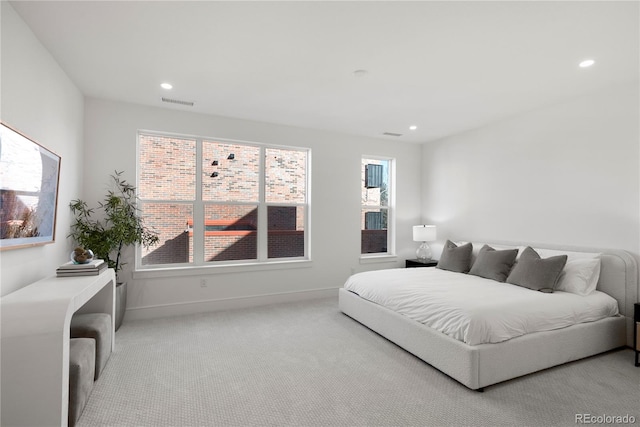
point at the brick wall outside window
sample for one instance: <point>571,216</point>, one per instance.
<point>237,178</point>
<point>167,168</point>
<point>170,221</point>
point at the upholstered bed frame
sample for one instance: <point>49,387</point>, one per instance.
<point>478,366</point>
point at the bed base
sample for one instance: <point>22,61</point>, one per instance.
<point>482,365</point>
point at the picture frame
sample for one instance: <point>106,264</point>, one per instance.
<point>29,179</point>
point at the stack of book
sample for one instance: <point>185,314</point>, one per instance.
<point>92,268</point>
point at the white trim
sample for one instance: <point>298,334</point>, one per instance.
<point>197,210</point>
<point>307,209</point>
<point>371,259</point>
<point>193,307</point>
<point>262,246</point>
<point>231,267</point>
<point>391,220</point>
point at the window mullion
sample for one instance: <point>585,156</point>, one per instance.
<point>198,210</point>
<point>391,208</point>
<point>262,209</point>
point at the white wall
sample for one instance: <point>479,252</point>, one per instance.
<point>111,129</point>
<point>39,100</point>
<point>566,174</point>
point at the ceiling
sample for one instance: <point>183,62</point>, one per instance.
<point>445,67</point>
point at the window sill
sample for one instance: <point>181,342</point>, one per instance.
<point>219,269</point>
<point>371,259</point>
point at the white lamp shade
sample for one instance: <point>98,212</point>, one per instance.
<point>424,233</point>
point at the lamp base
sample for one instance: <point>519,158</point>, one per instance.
<point>423,252</point>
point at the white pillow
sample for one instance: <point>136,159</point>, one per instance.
<point>579,276</point>
<point>545,253</point>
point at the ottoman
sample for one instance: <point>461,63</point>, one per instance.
<point>98,327</point>
<point>82,359</point>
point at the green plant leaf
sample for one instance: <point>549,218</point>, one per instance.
<point>121,224</point>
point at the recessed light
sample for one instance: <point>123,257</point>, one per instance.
<point>414,127</point>
<point>587,63</point>
<point>166,86</point>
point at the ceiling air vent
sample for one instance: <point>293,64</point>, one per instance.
<point>177,101</point>
<point>392,134</point>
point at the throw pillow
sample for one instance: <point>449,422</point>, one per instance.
<point>493,264</point>
<point>579,276</point>
<point>537,273</point>
<point>455,258</point>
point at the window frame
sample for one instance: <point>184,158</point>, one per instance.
<point>262,260</point>
<point>390,208</point>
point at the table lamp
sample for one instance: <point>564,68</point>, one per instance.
<point>424,234</point>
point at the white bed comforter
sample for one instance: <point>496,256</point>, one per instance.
<point>476,310</point>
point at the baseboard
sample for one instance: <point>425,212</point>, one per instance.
<point>179,309</point>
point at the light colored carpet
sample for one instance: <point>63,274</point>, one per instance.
<point>308,364</point>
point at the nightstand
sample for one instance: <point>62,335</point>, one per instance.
<point>636,331</point>
<point>414,263</point>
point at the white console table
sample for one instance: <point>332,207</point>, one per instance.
<point>35,344</point>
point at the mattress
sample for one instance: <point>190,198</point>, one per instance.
<point>475,310</point>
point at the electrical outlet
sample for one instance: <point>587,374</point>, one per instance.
<point>203,283</point>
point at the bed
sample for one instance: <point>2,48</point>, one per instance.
<point>477,364</point>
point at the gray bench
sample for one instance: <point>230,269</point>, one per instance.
<point>98,327</point>
<point>82,360</point>
<point>89,351</point>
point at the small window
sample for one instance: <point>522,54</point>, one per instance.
<point>377,206</point>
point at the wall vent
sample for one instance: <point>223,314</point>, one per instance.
<point>392,134</point>
<point>177,101</point>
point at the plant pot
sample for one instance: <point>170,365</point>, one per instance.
<point>121,303</point>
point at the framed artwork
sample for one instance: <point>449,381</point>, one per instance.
<point>29,178</point>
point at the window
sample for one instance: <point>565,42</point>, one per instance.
<point>219,202</point>
<point>377,206</point>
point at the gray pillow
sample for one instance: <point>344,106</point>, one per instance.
<point>492,264</point>
<point>455,258</point>
<point>539,274</point>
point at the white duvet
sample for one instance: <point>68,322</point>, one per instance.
<point>476,310</point>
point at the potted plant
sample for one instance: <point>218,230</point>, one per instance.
<point>120,225</point>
